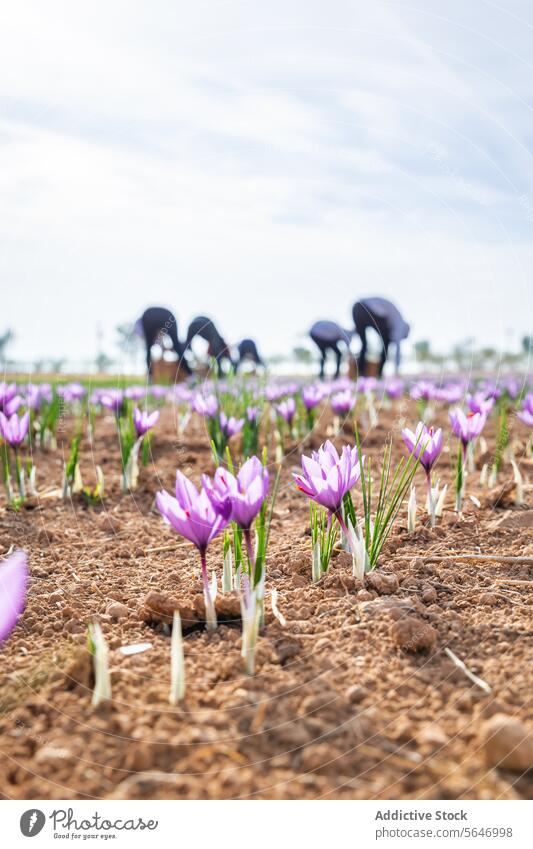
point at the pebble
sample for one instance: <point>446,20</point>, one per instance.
<point>414,635</point>
<point>507,743</point>
<point>382,582</point>
<point>355,694</point>
<point>117,610</point>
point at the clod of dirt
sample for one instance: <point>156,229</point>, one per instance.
<point>433,737</point>
<point>383,583</point>
<point>507,743</point>
<point>413,635</point>
<point>158,608</point>
<point>397,608</point>
<point>117,610</point>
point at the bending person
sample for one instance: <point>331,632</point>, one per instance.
<point>387,320</point>
<point>248,353</point>
<point>217,347</point>
<point>154,323</point>
<point>327,335</point>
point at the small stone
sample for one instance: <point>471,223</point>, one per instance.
<point>355,694</point>
<point>286,649</point>
<point>433,736</point>
<point>117,610</point>
<point>383,583</point>
<point>429,595</point>
<point>490,599</point>
<point>507,743</point>
<point>413,635</point>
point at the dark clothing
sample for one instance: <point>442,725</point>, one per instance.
<point>155,323</point>
<point>326,335</point>
<point>248,351</point>
<point>217,347</point>
<point>386,320</point>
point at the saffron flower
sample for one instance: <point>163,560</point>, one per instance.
<point>205,406</point>
<point>478,403</point>
<point>467,427</point>
<point>230,426</point>
<point>327,477</point>
<point>311,396</point>
<point>287,410</point>
<point>426,444</point>
<point>526,413</point>
<point>13,429</point>
<point>8,391</point>
<point>342,402</point>
<point>13,586</point>
<point>193,516</point>
<point>144,421</point>
<point>240,497</point>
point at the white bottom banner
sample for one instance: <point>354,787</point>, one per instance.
<point>297,824</point>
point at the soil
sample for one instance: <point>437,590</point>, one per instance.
<point>354,697</point>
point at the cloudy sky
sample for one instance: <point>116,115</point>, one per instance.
<point>265,164</point>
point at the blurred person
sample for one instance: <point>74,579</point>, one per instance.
<point>327,335</point>
<point>385,318</point>
<point>155,323</point>
<point>204,328</point>
<point>248,353</point>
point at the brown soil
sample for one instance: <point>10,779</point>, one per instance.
<point>353,698</point>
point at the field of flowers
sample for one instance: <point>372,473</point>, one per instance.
<point>261,589</point>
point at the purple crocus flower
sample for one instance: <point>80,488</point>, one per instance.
<point>394,387</point>
<point>287,409</point>
<point>190,513</point>
<point>423,390</point>
<point>13,429</point>
<point>135,393</point>
<point>7,393</point>
<point>239,498</point>
<point>230,426</point>
<point>342,402</point>
<point>13,405</point>
<point>425,443</point>
<point>467,427</point>
<point>13,585</point>
<point>144,421</point>
<point>252,414</point>
<point>478,403</point>
<point>526,413</point>
<point>112,400</point>
<point>71,392</point>
<point>206,406</point>
<point>193,516</point>
<point>32,397</point>
<point>327,477</point>
<point>311,396</point>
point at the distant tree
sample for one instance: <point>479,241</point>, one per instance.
<point>302,355</point>
<point>276,359</point>
<point>57,365</point>
<point>102,361</point>
<point>527,344</point>
<point>5,339</point>
<point>422,350</point>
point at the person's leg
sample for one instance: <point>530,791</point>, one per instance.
<point>361,321</point>
<point>172,332</point>
<point>338,354</point>
<point>385,342</point>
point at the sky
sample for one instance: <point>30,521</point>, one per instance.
<point>265,164</point>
